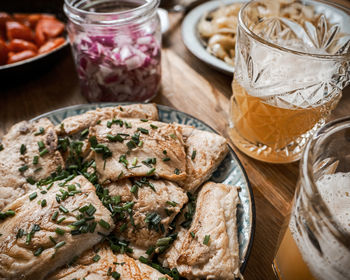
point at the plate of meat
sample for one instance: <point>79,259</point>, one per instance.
<point>122,191</point>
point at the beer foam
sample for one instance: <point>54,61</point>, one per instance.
<point>335,191</point>
<point>328,259</point>
<point>291,78</point>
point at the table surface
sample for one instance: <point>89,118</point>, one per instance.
<point>190,86</point>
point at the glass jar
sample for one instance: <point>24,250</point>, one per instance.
<point>316,244</point>
<point>116,47</point>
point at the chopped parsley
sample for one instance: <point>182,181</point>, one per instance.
<point>84,133</point>
<point>115,138</point>
<point>8,213</point>
<point>123,160</point>
<point>23,149</point>
<point>206,240</point>
<point>43,203</point>
<point>35,160</point>
<point>60,244</point>
<point>20,233</point>
<point>41,131</point>
<point>60,231</point>
<point>30,180</point>
<point>96,258</point>
<point>23,168</point>
<point>104,224</point>
<point>171,203</point>
<point>43,152</point>
<point>54,216</point>
<point>153,220</point>
<point>194,153</point>
<point>33,196</point>
<point>151,171</point>
<point>143,130</point>
<point>114,121</point>
<point>63,209</point>
<point>38,251</point>
<point>41,145</point>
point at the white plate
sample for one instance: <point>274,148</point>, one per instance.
<point>191,39</point>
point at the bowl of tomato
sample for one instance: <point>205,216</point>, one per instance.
<point>31,36</point>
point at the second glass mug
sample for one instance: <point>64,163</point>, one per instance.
<point>283,91</point>
<point>316,244</point>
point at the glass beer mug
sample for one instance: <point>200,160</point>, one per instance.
<point>316,244</point>
<point>292,62</point>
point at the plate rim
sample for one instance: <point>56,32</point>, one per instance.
<point>190,37</point>
<point>35,58</point>
<point>160,106</point>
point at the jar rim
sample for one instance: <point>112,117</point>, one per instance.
<point>307,174</point>
<point>253,35</point>
<point>114,18</point>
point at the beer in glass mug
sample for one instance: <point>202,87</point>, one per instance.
<point>292,62</point>
<point>316,244</point>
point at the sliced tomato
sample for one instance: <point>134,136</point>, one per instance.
<point>4,17</point>
<point>3,52</point>
<point>51,45</point>
<point>18,30</point>
<point>18,45</point>
<point>15,57</point>
<point>34,19</point>
<point>39,36</point>
<point>22,18</point>
<point>51,27</point>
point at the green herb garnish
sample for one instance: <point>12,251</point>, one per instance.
<point>43,203</point>
<point>84,133</point>
<point>206,240</point>
<point>41,145</point>
<point>63,209</point>
<point>60,231</point>
<point>41,131</point>
<point>54,216</point>
<point>104,224</point>
<point>23,168</point>
<point>38,251</point>
<point>150,172</point>
<point>172,203</point>
<point>123,160</point>
<point>60,244</point>
<point>35,160</point>
<point>30,180</point>
<point>96,258</point>
<point>193,156</point>
<point>143,130</point>
<point>43,152</point>
<point>33,196</point>
<point>23,149</point>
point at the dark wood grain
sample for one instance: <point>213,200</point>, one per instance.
<point>191,86</point>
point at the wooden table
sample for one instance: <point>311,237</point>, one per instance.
<point>191,86</point>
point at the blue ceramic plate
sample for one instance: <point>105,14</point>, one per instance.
<point>229,172</point>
